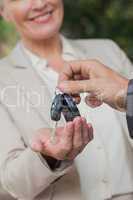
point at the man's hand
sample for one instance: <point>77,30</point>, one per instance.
<point>103,84</point>
<point>70,140</point>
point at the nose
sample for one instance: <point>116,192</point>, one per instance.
<point>37,4</point>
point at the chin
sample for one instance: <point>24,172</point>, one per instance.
<point>44,34</point>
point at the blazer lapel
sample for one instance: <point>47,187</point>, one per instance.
<point>30,84</point>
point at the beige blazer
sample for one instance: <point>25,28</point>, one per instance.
<point>23,173</point>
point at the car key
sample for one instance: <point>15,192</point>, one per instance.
<point>63,104</point>
<point>55,115</point>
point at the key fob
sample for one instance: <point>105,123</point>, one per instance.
<point>64,103</point>
<point>56,108</point>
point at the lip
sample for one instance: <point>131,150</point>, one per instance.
<point>40,15</point>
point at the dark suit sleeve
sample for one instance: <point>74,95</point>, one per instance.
<point>129,114</point>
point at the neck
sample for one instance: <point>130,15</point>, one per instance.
<point>47,49</point>
<point>50,49</point>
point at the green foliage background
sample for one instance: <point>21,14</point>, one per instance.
<point>90,19</point>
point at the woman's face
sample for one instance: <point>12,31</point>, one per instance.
<point>34,19</point>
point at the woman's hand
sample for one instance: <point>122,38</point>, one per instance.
<point>69,140</point>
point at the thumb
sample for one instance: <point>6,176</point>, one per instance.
<point>76,86</point>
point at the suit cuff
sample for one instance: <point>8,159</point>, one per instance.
<point>53,164</point>
<point>129,114</point>
<point>31,176</point>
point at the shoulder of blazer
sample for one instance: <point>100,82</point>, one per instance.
<point>6,70</point>
<point>95,46</point>
<point>5,67</point>
<point>9,63</point>
<point>104,50</point>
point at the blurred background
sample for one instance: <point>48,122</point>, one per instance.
<point>88,19</point>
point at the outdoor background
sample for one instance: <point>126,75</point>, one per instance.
<point>88,19</point>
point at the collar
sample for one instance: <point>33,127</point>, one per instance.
<point>21,57</point>
<point>35,59</point>
<point>67,50</point>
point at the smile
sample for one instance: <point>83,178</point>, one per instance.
<point>42,18</point>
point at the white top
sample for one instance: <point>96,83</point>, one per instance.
<point>105,163</point>
<point>42,67</point>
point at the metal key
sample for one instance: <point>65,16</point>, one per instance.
<point>53,132</point>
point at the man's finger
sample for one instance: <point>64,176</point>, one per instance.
<point>92,101</point>
<point>73,87</point>
<point>74,68</point>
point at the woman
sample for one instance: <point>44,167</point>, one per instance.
<point>25,109</point>
<point>38,58</point>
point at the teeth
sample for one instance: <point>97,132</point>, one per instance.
<point>44,15</point>
<point>42,18</point>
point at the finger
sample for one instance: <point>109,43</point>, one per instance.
<point>67,134</point>
<point>73,87</point>
<point>77,138</point>
<point>86,132</point>
<point>66,73</point>
<point>73,68</point>
<point>93,102</point>
<point>87,136</point>
<point>90,132</point>
<point>65,143</point>
<point>78,77</point>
